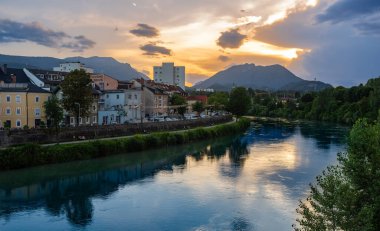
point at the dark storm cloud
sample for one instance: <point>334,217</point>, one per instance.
<point>11,31</point>
<point>153,50</point>
<point>348,9</point>
<point>223,58</point>
<point>231,39</point>
<point>79,44</point>
<point>368,28</point>
<point>144,30</point>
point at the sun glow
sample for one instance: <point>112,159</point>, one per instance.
<point>261,48</point>
<point>311,3</point>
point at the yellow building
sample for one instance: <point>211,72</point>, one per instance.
<point>21,104</point>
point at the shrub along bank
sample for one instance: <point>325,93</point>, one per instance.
<point>29,155</point>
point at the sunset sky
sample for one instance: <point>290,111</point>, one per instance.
<point>336,41</point>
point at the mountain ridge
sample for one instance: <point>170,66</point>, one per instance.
<point>273,78</point>
<point>106,65</point>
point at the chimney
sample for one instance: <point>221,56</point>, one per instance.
<point>4,68</point>
<point>13,78</point>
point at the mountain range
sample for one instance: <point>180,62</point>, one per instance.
<point>106,65</point>
<point>271,78</point>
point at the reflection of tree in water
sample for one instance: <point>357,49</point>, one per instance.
<point>79,211</point>
<point>237,153</point>
<point>264,132</point>
<point>240,224</point>
<point>325,134</point>
<point>236,150</point>
<point>74,202</point>
<point>73,195</point>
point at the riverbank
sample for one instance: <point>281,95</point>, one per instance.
<point>29,155</point>
<point>14,137</point>
<point>268,119</point>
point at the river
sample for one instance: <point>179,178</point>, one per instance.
<point>248,182</point>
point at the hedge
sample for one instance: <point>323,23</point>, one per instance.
<point>29,155</point>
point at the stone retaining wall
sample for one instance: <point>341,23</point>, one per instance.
<point>41,136</point>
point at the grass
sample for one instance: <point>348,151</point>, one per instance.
<point>29,155</point>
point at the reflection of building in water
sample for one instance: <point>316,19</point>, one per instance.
<point>72,195</point>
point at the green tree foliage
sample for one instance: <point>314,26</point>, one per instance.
<point>180,103</point>
<point>218,100</point>
<point>342,105</point>
<point>347,196</point>
<point>53,111</point>
<point>198,107</point>
<point>77,91</point>
<point>239,102</point>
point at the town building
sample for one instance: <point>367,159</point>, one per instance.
<point>170,74</point>
<point>21,102</point>
<point>134,102</point>
<point>71,66</point>
<point>104,81</point>
<point>191,100</point>
<point>111,107</point>
<point>22,105</point>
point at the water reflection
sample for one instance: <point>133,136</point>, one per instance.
<point>269,162</point>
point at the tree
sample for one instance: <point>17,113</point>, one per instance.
<point>179,102</point>
<point>53,111</point>
<point>347,196</point>
<point>77,93</point>
<point>219,100</point>
<point>198,107</point>
<point>239,102</point>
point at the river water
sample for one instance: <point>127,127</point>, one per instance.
<point>248,182</point>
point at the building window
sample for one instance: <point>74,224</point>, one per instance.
<point>18,111</point>
<point>8,111</point>
<point>129,96</point>
<point>94,120</point>
<point>37,99</point>
<point>18,123</point>
<point>8,98</point>
<point>135,96</point>
<point>37,112</point>
<point>88,120</point>
<point>18,99</point>
<point>107,96</point>
<point>94,108</point>
<point>117,96</point>
<point>80,120</point>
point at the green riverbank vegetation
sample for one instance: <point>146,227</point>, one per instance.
<point>339,105</point>
<point>29,155</point>
<point>347,196</point>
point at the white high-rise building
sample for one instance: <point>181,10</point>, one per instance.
<point>170,74</point>
<point>71,66</point>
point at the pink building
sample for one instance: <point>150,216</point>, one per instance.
<point>104,81</point>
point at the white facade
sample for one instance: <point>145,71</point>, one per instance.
<point>170,74</point>
<point>71,66</point>
<point>134,105</point>
<point>111,108</point>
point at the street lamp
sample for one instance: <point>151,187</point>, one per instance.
<point>78,112</point>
